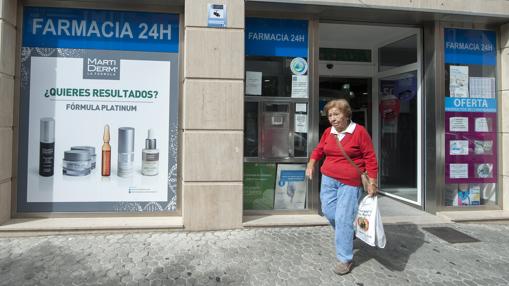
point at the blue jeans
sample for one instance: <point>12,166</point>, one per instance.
<point>339,205</point>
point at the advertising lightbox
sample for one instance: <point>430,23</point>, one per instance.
<point>99,111</point>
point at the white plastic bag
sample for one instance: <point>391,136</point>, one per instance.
<point>368,223</point>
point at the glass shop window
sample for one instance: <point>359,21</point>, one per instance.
<point>276,114</point>
<point>470,118</point>
<point>268,76</point>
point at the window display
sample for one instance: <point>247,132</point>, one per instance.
<point>470,118</point>
<point>276,108</point>
<point>274,186</point>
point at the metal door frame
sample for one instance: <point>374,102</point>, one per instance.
<point>417,66</point>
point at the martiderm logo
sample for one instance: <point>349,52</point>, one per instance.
<point>101,66</point>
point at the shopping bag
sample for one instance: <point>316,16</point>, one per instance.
<point>368,223</point>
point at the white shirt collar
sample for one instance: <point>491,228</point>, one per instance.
<point>349,129</point>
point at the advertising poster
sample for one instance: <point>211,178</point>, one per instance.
<point>259,182</point>
<point>470,112</point>
<point>253,83</point>
<point>482,87</point>
<point>458,171</point>
<point>301,123</point>
<point>473,149</point>
<point>458,83</point>
<point>458,147</point>
<point>291,187</point>
<point>458,124</point>
<point>299,86</point>
<point>99,93</point>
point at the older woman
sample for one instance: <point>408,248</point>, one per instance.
<point>341,186</point>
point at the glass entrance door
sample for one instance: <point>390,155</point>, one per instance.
<point>398,124</point>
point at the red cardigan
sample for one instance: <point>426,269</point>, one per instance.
<point>357,145</point>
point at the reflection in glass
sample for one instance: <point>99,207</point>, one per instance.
<point>397,54</point>
<point>251,129</point>
<point>276,75</point>
<point>300,144</point>
<point>398,135</point>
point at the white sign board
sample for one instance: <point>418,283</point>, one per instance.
<point>217,15</point>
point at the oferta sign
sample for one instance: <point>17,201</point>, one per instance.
<point>99,111</point>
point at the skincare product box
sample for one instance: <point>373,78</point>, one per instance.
<point>489,193</point>
<point>451,195</point>
<point>475,195</point>
<point>463,195</point>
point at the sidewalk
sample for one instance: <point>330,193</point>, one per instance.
<point>254,256</point>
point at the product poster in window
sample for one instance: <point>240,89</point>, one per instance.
<point>470,114</point>
<point>291,188</point>
<point>99,93</point>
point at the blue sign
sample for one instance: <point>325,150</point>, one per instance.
<point>100,30</point>
<point>470,47</point>
<point>292,176</point>
<point>467,104</point>
<point>276,37</point>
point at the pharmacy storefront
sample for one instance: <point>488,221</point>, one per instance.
<point>98,111</point>
<point>380,71</point>
<point>208,112</point>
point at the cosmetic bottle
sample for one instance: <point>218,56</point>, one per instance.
<point>47,147</point>
<point>106,152</point>
<point>77,163</point>
<point>125,165</point>
<point>90,150</point>
<point>150,156</point>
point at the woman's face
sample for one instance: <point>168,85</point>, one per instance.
<point>337,119</point>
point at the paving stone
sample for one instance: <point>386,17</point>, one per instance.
<point>258,256</point>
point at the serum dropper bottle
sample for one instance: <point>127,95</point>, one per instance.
<point>106,152</point>
<point>150,156</point>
